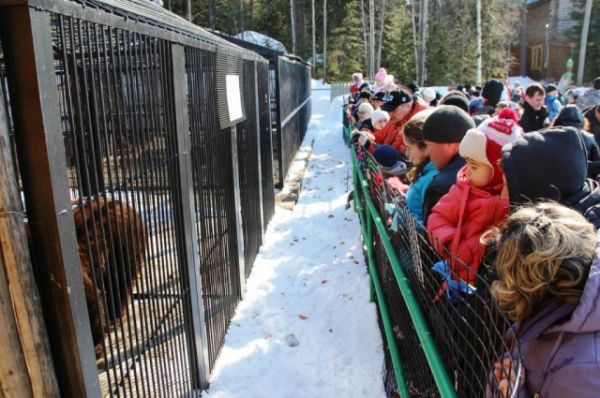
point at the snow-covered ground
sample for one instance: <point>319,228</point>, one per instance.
<point>306,327</point>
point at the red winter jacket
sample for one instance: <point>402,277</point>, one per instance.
<point>392,133</point>
<point>460,218</point>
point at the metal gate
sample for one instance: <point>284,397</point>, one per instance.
<point>131,190</point>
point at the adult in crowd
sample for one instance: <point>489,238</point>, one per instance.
<point>551,101</point>
<point>572,96</point>
<point>491,94</point>
<point>591,96</point>
<point>551,164</point>
<point>423,170</point>
<point>592,119</point>
<point>443,131</point>
<point>377,100</point>
<point>571,116</point>
<point>456,98</point>
<point>534,112</point>
<point>549,284</point>
<point>401,106</point>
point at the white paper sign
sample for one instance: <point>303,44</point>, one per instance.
<point>234,100</point>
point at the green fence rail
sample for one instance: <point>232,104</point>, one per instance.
<point>435,348</point>
<point>368,217</point>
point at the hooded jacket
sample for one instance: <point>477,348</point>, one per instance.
<point>416,191</point>
<point>440,184</point>
<point>552,164</point>
<point>532,120</point>
<point>560,344</point>
<point>461,217</point>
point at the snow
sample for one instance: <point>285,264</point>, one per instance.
<point>306,326</point>
<point>261,40</point>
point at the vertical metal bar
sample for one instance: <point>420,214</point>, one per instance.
<point>279,127</point>
<point>197,349</point>
<point>258,148</point>
<point>42,158</point>
<point>238,210</point>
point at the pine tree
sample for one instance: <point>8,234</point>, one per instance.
<point>346,55</point>
<point>397,52</point>
<point>592,54</point>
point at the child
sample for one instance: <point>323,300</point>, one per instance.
<point>549,283</point>
<point>379,119</point>
<point>423,170</point>
<point>552,103</point>
<point>474,204</point>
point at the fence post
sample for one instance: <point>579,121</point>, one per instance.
<point>258,147</point>
<point>26,368</point>
<point>238,210</point>
<point>198,348</point>
<point>42,161</point>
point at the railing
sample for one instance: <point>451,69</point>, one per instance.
<point>434,346</point>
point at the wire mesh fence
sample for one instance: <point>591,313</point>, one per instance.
<point>127,138</point>
<point>470,332</point>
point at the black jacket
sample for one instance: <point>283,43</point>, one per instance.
<point>440,184</point>
<point>593,153</point>
<point>532,120</point>
<point>552,164</point>
<point>588,113</point>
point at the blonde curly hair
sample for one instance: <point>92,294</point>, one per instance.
<point>544,251</point>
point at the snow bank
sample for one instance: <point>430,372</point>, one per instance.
<point>261,40</point>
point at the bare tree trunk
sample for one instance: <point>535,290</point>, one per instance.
<point>242,19</point>
<point>365,40</point>
<point>523,40</point>
<point>583,42</point>
<point>293,19</point>
<point>479,60</point>
<point>372,39</point>
<point>211,13</point>
<point>380,40</point>
<point>324,41</point>
<point>415,41</point>
<point>314,38</point>
<point>424,31</point>
<point>189,10</point>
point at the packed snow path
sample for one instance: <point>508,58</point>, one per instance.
<point>306,327</point>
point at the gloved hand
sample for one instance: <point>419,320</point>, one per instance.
<point>452,287</point>
<point>362,140</point>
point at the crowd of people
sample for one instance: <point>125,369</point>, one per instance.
<point>517,178</point>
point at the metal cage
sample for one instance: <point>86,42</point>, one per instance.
<point>145,201</point>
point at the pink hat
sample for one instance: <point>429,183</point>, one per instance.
<point>381,74</point>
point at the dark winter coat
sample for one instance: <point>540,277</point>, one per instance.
<point>532,120</point>
<point>589,114</point>
<point>441,183</point>
<point>560,345</point>
<point>552,164</point>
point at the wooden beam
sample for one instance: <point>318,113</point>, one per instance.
<point>26,368</point>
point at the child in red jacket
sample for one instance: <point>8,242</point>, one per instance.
<point>473,204</point>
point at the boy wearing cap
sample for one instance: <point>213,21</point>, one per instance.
<point>474,203</point>
<point>401,106</point>
<point>443,131</point>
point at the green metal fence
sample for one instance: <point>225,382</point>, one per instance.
<point>434,347</point>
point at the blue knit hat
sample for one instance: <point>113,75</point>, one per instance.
<point>386,155</point>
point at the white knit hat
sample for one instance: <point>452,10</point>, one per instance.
<point>379,115</point>
<point>367,108</point>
